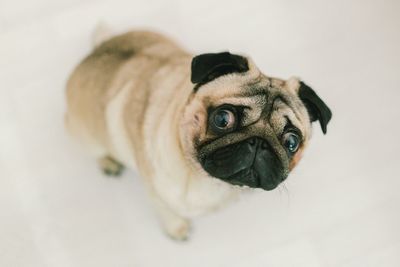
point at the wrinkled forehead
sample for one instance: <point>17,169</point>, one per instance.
<point>263,94</point>
<point>245,86</point>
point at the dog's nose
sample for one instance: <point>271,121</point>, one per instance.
<point>252,141</point>
<point>258,142</point>
<point>266,166</point>
<point>252,162</point>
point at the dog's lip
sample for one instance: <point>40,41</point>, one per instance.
<point>266,185</point>
<point>240,174</point>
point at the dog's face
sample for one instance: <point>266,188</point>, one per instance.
<point>244,127</point>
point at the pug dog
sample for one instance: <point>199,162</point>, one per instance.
<point>199,130</point>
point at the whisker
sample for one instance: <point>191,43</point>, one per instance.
<point>286,190</point>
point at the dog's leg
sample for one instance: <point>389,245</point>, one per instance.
<point>110,166</point>
<point>174,226</point>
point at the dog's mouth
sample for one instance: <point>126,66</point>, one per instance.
<point>249,177</point>
<point>251,162</point>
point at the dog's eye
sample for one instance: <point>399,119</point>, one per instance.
<point>222,120</point>
<point>291,141</point>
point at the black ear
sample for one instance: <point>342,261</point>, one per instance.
<point>207,67</point>
<point>316,108</point>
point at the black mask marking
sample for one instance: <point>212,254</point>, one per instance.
<point>251,162</point>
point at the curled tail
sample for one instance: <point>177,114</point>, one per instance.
<point>101,33</point>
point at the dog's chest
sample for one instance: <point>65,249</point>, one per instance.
<point>193,196</point>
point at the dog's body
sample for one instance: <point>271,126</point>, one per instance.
<point>132,102</point>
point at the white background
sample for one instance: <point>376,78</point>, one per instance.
<point>342,203</point>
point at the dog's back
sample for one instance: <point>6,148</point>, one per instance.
<point>100,76</point>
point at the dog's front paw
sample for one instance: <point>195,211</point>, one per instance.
<point>177,229</point>
<point>110,166</point>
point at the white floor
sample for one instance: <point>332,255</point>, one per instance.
<point>341,206</point>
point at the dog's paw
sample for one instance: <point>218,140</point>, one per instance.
<point>110,166</point>
<point>178,229</point>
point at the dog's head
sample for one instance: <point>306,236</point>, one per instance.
<point>244,127</point>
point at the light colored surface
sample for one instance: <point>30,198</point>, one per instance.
<point>341,206</point>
